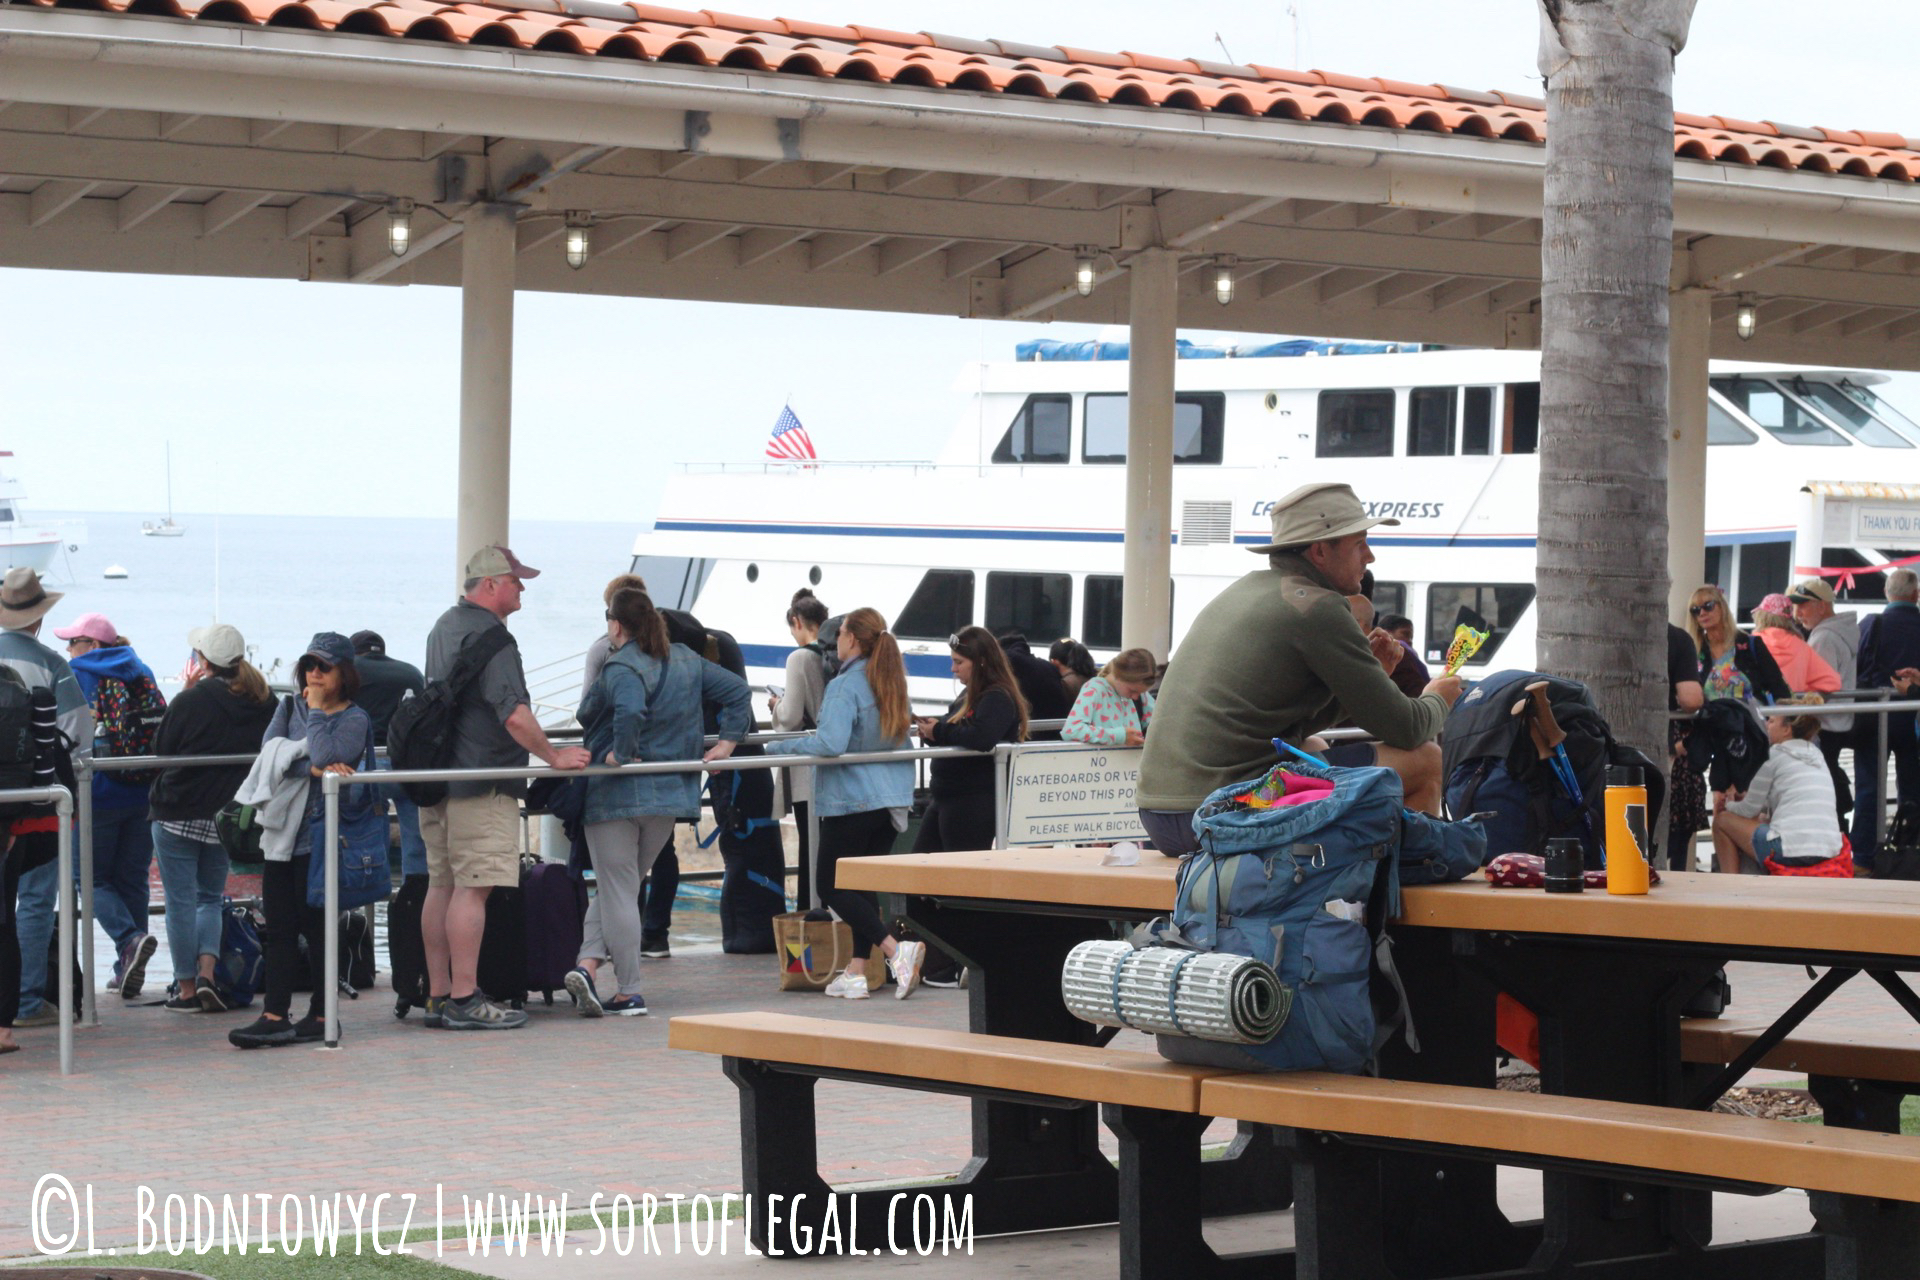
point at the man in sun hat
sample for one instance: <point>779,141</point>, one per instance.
<point>24,603</point>
<point>473,836</point>
<point>1836,638</point>
<point>1279,655</point>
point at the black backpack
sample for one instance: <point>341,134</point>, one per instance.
<point>1492,768</point>
<point>420,735</point>
<point>1899,856</point>
<point>17,752</point>
<point>35,828</point>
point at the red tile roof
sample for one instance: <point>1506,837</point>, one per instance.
<point>931,60</point>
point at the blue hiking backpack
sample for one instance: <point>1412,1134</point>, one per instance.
<point>1307,889</point>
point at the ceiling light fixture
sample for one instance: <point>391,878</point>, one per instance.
<point>1223,279</point>
<point>579,237</point>
<point>399,226</point>
<point>1745,318</point>
<point>1083,270</point>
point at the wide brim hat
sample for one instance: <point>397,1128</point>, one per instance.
<point>1316,513</point>
<point>23,601</point>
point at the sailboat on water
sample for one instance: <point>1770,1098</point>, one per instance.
<point>165,528</point>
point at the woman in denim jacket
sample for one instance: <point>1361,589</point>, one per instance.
<point>645,705</point>
<point>862,807</point>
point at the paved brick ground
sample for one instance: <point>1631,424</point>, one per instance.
<point>567,1105</point>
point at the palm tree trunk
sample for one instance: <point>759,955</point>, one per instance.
<point>1606,254</point>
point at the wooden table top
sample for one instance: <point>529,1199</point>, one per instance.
<point>1800,913</point>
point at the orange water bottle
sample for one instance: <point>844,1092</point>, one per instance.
<point>1627,870</point>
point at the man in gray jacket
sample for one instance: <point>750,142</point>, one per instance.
<point>1836,638</point>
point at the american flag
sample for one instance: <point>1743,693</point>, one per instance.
<point>789,441</point>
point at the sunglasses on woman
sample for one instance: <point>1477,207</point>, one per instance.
<point>1698,609</point>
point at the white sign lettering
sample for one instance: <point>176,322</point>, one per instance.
<point>1068,794</point>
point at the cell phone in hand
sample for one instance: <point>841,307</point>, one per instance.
<point>776,691</point>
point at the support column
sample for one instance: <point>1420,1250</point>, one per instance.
<point>486,377</point>
<point>1689,334</point>
<point>1153,278</point>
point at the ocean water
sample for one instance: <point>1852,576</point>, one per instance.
<point>279,579</point>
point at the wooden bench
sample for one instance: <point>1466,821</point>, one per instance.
<point>1334,1126</point>
<point>1859,1077</point>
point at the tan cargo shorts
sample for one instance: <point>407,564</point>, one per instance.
<point>472,842</point>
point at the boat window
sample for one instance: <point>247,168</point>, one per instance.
<point>6,513</point>
<point>1100,610</point>
<point>1476,426</point>
<point>1723,428</point>
<point>1493,607</point>
<point>1039,433</point>
<point>1881,409</point>
<point>1430,421</point>
<point>1776,412</point>
<point>1198,422</point>
<point>1356,424</point>
<point>1389,597</point>
<point>1037,603</point>
<point>1523,422</point>
<point>941,605</point>
<point>1849,414</point>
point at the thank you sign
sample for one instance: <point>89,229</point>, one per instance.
<point>1060,795</point>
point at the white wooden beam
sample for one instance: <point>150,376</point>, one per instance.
<point>690,238</point>
<point>761,243</point>
<point>967,257</point>
<point>900,252</point>
<point>142,203</point>
<point>831,248</point>
<point>51,199</point>
<point>614,235</point>
<point>305,215</point>
<point>227,208</point>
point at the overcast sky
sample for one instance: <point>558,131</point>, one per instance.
<point>252,381</point>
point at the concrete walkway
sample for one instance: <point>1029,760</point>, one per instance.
<point>565,1106</point>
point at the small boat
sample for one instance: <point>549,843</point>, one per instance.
<point>114,571</point>
<point>26,543</point>
<point>164,528</point>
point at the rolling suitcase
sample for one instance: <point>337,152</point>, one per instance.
<point>503,948</point>
<point>554,902</point>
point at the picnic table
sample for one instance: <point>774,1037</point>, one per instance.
<point>1607,976</point>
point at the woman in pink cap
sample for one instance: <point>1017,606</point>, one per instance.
<point>127,708</point>
<point>1804,670</point>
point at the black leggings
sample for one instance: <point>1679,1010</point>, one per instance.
<point>855,835</point>
<point>283,889</point>
<point>956,823</point>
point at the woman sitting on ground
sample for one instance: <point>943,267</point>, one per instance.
<point>1114,708</point>
<point>862,807</point>
<point>647,703</point>
<point>1804,670</point>
<point>1787,814</point>
<point>339,738</point>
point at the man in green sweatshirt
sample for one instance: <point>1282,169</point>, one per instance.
<point>1279,655</point>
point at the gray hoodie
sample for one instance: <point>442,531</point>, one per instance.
<point>1838,641</point>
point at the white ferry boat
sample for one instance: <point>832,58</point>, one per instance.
<point>1019,520</point>
<point>24,543</point>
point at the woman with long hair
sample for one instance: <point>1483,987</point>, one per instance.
<point>990,710</point>
<point>223,711</point>
<point>863,807</point>
<point>1114,708</point>
<point>1732,665</point>
<point>796,707</point>
<point>339,738</point>
<point>1075,665</point>
<point>647,703</point>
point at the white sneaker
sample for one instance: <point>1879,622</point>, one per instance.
<point>848,986</point>
<point>906,962</point>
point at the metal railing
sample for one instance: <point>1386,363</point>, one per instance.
<point>62,801</point>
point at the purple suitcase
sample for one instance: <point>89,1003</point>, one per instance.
<point>555,900</point>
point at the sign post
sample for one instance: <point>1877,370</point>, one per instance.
<point>1072,794</point>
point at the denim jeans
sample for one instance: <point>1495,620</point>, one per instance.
<point>194,875</point>
<point>122,854</point>
<point>39,897</point>
<point>663,882</point>
<point>413,847</point>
